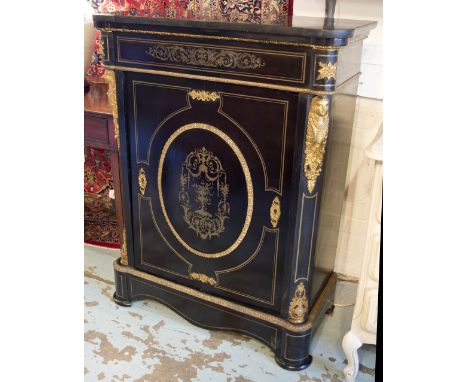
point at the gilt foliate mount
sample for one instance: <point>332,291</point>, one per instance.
<point>206,57</point>
<point>203,95</point>
<point>142,182</point>
<point>275,211</point>
<point>327,71</point>
<point>299,306</point>
<point>203,278</point>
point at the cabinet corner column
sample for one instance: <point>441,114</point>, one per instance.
<point>112,98</point>
<point>311,146</point>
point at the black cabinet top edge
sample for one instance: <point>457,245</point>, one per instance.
<point>301,27</point>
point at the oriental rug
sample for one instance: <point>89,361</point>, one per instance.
<point>100,219</point>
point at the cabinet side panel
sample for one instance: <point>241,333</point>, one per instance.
<point>341,128</point>
<point>349,62</point>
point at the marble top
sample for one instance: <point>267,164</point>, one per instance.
<point>316,27</point>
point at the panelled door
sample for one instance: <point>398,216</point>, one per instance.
<point>209,164</point>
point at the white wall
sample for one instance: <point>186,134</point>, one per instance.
<point>355,213</point>
<point>372,59</point>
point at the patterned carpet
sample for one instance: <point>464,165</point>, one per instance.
<point>100,224</point>
<point>148,342</point>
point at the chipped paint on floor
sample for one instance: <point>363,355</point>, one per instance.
<point>148,342</point>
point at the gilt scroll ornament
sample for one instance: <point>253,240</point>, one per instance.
<point>275,211</point>
<point>142,181</point>
<point>316,140</point>
<point>203,278</point>
<point>210,58</point>
<point>327,70</point>
<point>203,183</point>
<point>299,306</point>
<point>203,95</point>
<point>112,98</point>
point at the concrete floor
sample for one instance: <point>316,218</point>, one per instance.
<point>148,342</point>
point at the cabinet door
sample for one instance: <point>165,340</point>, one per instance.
<point>209,165</point>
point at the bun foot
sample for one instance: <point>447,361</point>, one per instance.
<point>294,365</point>
<point>121,301</point>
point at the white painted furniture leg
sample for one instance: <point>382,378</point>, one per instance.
<point>351,343</point>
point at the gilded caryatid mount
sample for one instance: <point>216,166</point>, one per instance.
<point>316,140</point>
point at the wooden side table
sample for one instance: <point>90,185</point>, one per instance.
<point>99,132</point>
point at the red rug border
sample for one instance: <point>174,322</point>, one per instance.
<point>102,244</point>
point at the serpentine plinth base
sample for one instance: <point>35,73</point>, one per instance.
<point>290,342</point>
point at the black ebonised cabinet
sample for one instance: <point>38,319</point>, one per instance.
<point>228,134</point>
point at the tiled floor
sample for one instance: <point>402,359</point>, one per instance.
<point>149,342</point>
